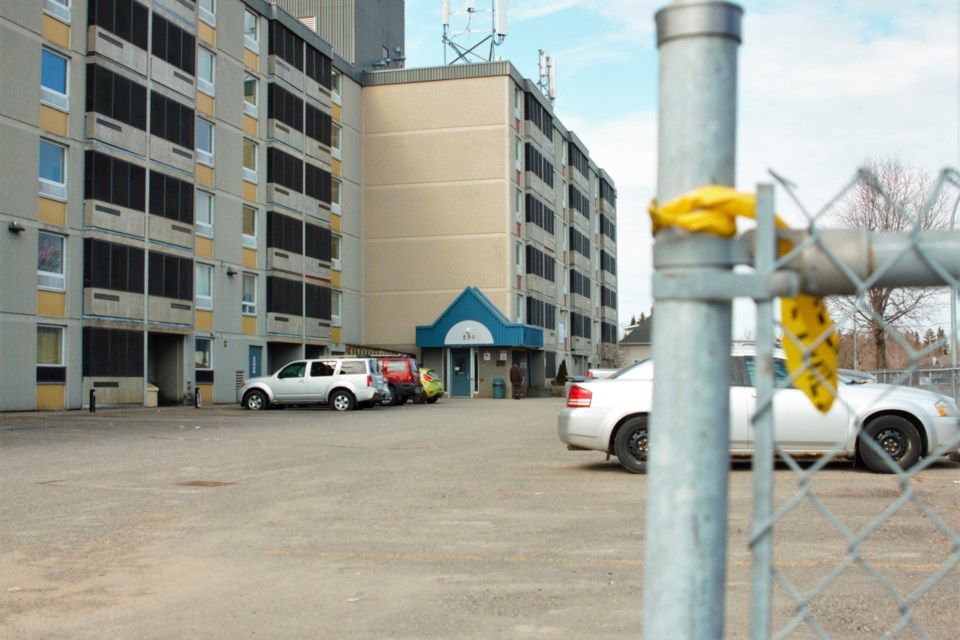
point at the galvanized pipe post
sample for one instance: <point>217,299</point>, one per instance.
<point>688,468</point>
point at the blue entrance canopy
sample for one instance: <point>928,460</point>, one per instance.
<point>472,320</point>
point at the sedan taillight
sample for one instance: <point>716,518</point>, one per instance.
<point>579,398</point>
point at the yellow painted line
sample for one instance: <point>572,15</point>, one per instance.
<point>426,557</point>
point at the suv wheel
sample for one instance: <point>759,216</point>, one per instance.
<point>394,396</point>
<point>341,400</point>
<point>255,400</point>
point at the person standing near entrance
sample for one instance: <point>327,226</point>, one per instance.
<point>516,381</point>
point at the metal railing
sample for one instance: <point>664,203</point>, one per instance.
<point>694,285</point>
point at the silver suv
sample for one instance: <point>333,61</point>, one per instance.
<point>344,383</point>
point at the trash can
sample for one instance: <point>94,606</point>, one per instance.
<point>499,387</point>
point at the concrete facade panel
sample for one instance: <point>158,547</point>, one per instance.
<point>428,157</point>
<point>451,104</point>
<point>441,209</point>
<point>479,261</point>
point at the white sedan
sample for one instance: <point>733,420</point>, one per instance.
<point>612,415</point>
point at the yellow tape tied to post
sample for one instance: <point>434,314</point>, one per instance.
<point>714,209</point>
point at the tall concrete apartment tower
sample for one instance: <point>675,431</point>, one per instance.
<point>186,188</point>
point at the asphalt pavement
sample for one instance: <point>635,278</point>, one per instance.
<point>463,519</point>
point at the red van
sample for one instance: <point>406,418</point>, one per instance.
<point>403,378</point>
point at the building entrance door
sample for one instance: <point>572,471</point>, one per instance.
<point>460,373</point>
<point>255,358</point>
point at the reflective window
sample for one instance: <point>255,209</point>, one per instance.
<point>50,261</point>
<point>204,213</point>
<point>53,80</point>
<point>53,170</point>
<point>203,357</point>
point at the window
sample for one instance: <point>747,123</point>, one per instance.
<point>250,91</point>
<point>317,301</point>
<point>50,261</point>
<point>293,370</point>
<point>249,304</point>
<point>171,197</point>
<point>112,352</point>
<point>251,32</point>
<point>287,171</point>
<point>284,232</point>
<point>335,85</point>
<point>202,354</point>
<point>115,96</point>
<point>53,80</point>
<point>285,44</point>
<point>335,302</point>
<point>172,120</point>
<point>114,181</point>
<point>203,285</point>
<point>59,9</point>
<point>335,204</point>
<point>335,251</point>
<point>114,266</point>
<point>317,184</point>
<point>170,276</point>
<point>206,71</point>
<point>284,106</point>
<point>50,367</point>
<point>336,134</point>
<point>249,227</point>
<point>204,142</point>
<point>250,152</point>
<point>174,45</point>
<point>126,19</point>
<point>520,308</point>
<point>53,170</point>
<point>318,124</point>
<point>208,11</point>
<point>204,214</point>
<point>284,296</point>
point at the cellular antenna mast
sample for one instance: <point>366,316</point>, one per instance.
<point>460,28</point>
<point>548,76</point>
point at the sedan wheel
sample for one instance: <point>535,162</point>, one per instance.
<point>255,401</point>
<point>631,444</point>
<point>898,439</point>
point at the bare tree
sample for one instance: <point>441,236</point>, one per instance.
<point>897,199</point>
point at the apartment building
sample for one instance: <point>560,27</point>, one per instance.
<point>472,186</point>
<point>186,187</point>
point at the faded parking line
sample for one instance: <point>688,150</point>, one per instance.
<point>547,560</point>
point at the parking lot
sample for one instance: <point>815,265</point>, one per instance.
<point>463,519</point>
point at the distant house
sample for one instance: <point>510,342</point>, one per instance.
<point>637,344</point>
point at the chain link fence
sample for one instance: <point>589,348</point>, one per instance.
<point>922,581</point>
<point>843,585</point>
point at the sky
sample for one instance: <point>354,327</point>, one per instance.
<point>823,87</point>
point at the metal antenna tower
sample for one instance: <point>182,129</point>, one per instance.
<point>458,42</point>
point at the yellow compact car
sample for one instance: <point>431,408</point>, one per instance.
<point>432,385</point>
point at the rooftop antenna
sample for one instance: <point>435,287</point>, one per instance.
<point>548,76</point>
<point>457,40</point>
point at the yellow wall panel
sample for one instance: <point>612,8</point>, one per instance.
<point>55,31</point>
<point>52,211</point>
<point>251,60</point>
<point>249,325</point>
<point>249,191</point>
<point>50,396</point>
<point>337,111</point>
<point>249,258</point>
<point>205,175</point>
<point>206,33</point>
<point>53,120</point>
<point>203,320</point>
<point>205,103</point>
<point>204,247</point>
<point>206,393</point>
<point>335,222</point>
<point>335,278</point>
<point>249,125</point>
<point>337,167</point>
<point>335,335</point>
<point>51,303</point>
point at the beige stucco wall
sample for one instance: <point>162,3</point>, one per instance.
<point>437,197</point>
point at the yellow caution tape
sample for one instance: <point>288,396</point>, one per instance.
<point>714,209</point>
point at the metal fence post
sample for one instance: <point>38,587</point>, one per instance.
<point>688,467</point>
